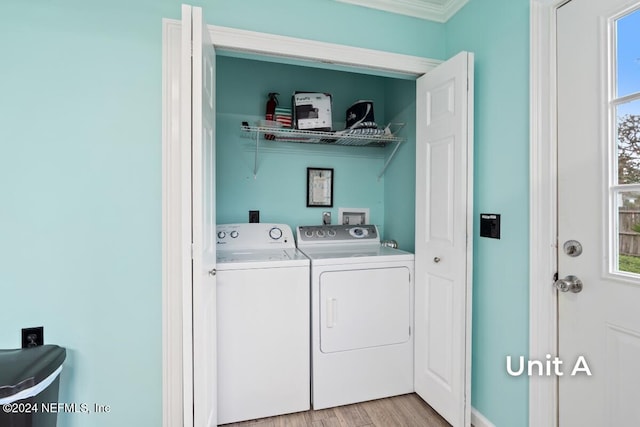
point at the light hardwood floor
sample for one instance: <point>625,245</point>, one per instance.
<point>400,411</point>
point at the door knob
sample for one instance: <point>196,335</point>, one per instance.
<point>569,283</point>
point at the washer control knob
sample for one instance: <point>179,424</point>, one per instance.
<point>331,233</point>
<point>221,234</point>
<point>320,233</point>
<point>275,233</point>
<point>308,233</point>
<point>234,234</point>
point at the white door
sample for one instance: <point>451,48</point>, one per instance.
<point>598,187</point>
<point>198,117</point>
<point>444,158</point>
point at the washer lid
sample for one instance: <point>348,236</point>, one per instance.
<point>247,259</point>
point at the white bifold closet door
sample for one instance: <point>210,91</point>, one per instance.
<point>444,158</point>
<point>198,155</point>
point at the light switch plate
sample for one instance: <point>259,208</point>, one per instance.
<point>490,225</point>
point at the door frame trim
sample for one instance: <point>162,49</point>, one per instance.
<point>284,47</point>
<point>176,249</point>
<point>543,321</point>
<point>172,231</point>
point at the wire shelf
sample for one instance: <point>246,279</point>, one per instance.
<point>320,137</point>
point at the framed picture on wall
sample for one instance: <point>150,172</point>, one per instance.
<point>319,187</point>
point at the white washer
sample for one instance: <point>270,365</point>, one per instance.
<point>361,315</point>
<point>262,322</point>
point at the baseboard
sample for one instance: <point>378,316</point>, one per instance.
<point>479,420</point>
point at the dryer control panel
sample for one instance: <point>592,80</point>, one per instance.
<point>310,235</point>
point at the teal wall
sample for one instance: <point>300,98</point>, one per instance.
<point>497,31</point>
<point>279,187</point>
<point>80,176</point>
<point>328,21</point>
<point>80,180</point>
<point>400,176</point>
<point>80,190</point>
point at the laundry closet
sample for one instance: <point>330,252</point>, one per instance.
<point>352,304</point>
<point>273,181</point>
<point>418,189</point>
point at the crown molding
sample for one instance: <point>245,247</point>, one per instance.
<point>439,11</point>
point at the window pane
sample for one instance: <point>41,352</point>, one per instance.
<point>628,54</point>
<point>628,140</point>
<point>629,231</point>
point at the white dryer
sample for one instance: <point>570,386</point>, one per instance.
<point>262,322</point>
<point>361,315</point>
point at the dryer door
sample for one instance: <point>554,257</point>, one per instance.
<point>364,308</point>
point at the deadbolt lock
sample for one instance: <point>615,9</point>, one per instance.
<point>573,248</point>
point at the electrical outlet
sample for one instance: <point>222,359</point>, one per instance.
<point>254,216</point>
<point>32,337</point>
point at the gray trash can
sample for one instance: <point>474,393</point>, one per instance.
<point>28,378</point>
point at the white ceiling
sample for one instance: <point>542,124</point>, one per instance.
<point>432,10</point>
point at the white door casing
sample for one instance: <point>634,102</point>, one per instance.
<point>444,107</point>
<point>602,322</point>
<point>187,215</point>
<point>174,244</point>
<point>198,125</point>
<point>543,408</point>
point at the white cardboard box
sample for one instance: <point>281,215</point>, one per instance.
<point>312,110</point>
